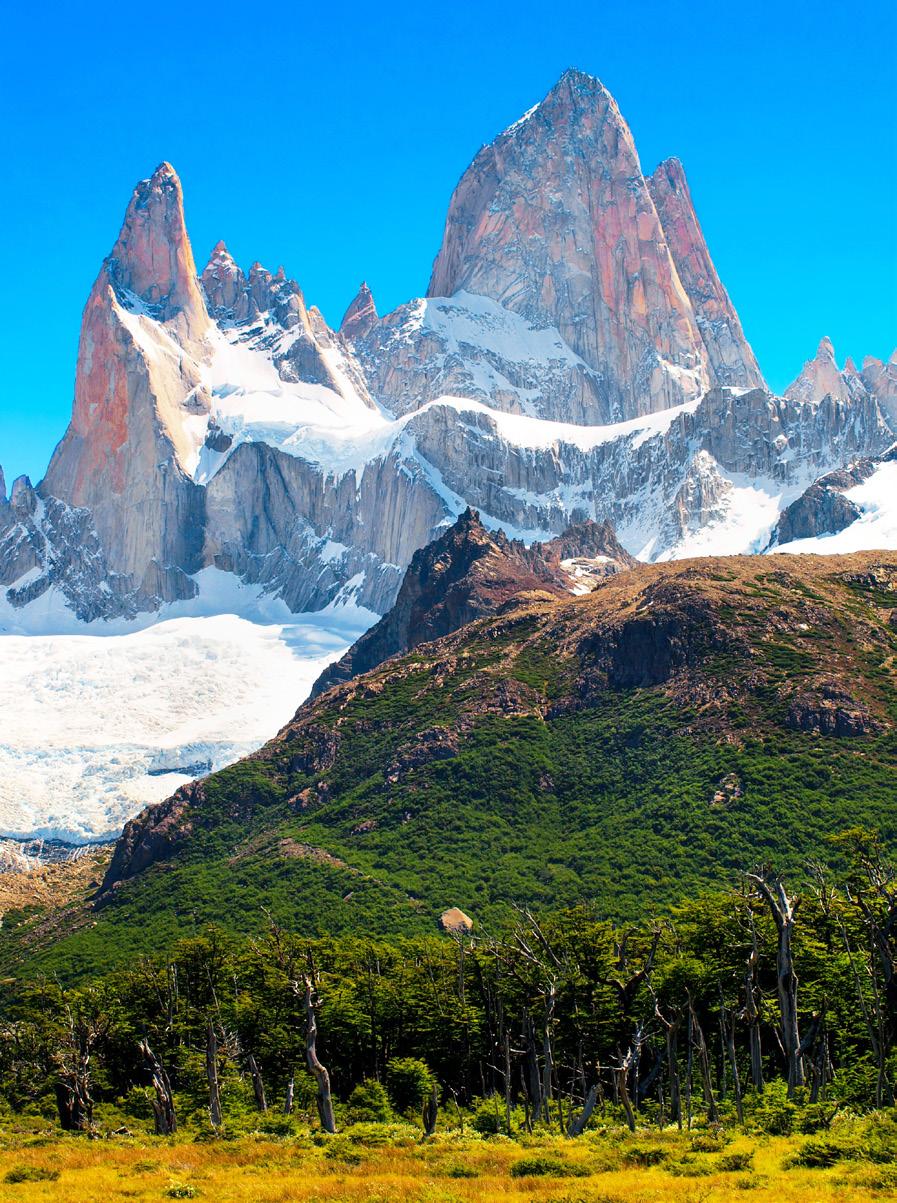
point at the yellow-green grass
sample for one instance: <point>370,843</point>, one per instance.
<point>601,1167</point>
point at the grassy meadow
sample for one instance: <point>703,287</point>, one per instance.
<point>852,1161</point>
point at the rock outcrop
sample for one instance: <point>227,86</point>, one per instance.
<point>469,572</point>
<point>361,316</point>
<point>555,221</point>
<point>730,358</point>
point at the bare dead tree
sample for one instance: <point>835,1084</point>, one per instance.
<point>704,1061</point>
<point>212,1076</point>
<point>671,1024</point>
<point>317,1070</point>
<point>163,1103</point>
<point>288,1100</point>
<point>621,1079</point>
<point>751,1011</point>
<point>783,909</point>
<point>578,1123</point>
<point>727,1019</point>
<point>258,1086</point>
<point>74,1102</point>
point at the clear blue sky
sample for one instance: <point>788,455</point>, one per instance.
<point>328,137</point>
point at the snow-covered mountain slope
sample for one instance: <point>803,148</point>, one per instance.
<point>97,726</point>
<point>874,501</point>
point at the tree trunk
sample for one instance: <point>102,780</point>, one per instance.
<point>212,1076</point>
<point>752,1014</point>
<point>533,1080</point>
<point>620,1076</point>
<point>729,1029</point>
<point>578,1123</point>
<point>258,1086</point>
<point>317,1070</point>
<point>783,910</point>
<point>163,1103</point>
<point>431,1111</point>
<point>704,1061</point>
<point>288,1101</point>
<point>547,1058</point>
<point>507,1082</point>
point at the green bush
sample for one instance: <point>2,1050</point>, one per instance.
<point>30,1173</point>
<point>488,1117</point>
<point>369,1103</point>
<point>645,1156</point>
<point>409,1082</point>
<point>820,1154</point>
<point>462,1171</point>
<point>546,1167</point>
<point>736,1162</point>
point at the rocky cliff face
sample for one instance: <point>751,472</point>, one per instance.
<point>577,359</point>
<point>555,221</point>
<point>730,360</point>
<point>469,572</point>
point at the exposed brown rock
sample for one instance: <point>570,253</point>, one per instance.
<point>454,920</point>
<point>830,710</point>
<point>469,572</point>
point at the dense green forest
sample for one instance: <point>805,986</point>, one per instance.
<point>750,1006</point>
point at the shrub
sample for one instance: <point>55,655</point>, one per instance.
<point>30,1173</point>
<point>708,1142</point>
<point>181,1190</point>
<point>488,1119</point>
<point>409,1083</point>
<point>462,1171</point>
<point>368,1103</point>
<point>645,1156</point>
<point>820,1154</point>
<point>734,1163</point>
<point>546,1167</point>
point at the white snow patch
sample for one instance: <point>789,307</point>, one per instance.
<point>97,725</point>
<point>876,528</point>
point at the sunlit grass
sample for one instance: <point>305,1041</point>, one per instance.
<point>602,1167</point>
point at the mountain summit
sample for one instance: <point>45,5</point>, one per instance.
<point>555,221</point>
<point>576,359</point>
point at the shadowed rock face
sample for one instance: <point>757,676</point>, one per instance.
<point>468,573</point>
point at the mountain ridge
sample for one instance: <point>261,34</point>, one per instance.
<point>588,364</point>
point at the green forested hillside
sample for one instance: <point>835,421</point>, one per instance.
<point>681,723</point>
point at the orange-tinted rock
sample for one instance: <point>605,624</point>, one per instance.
<point>361,316</point>
<point>555,221</point>
<point>454,920</point>
<point>730,358</point>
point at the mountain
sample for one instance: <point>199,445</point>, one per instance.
<point>677,723</point>
<point>576,358</point>
<point>468,573</point>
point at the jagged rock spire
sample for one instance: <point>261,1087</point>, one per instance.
<point>820,377</point>
<point>361,316</point>
<point>152,257</point>
<point>731,359</point>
